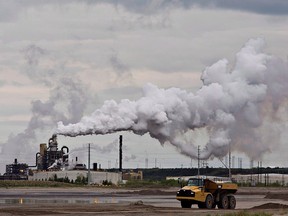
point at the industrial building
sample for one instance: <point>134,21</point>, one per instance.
<point>16,171</point>
<point>263,178</point>
<point>53,162</point>
<point>51,158</point>
<point>96,177</point>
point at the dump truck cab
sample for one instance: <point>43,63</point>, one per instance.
<point>208,193</point>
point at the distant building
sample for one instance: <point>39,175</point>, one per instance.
<point>16,171</point>
<point>96,176</point>
<point>263,178</point>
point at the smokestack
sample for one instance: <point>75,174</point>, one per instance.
<point>15,161</point>
<point>76,159</point>
<point>120,153</point>
<point>95,166</point>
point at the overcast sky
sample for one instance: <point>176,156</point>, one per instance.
<point>60,60</point>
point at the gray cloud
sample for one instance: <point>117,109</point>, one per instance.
<point>32,53</point>
<point>2,83</point>
<point>118,92</point>
<point>276,7</point>
<point>121,70</point>
<point>118,66</point>
<point>130,158</point>
<point>9,10</point>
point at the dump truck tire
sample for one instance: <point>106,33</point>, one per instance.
<point>232,202</point>
<point>186,204</point>
<point>209,202</point>
<point>224,202</point>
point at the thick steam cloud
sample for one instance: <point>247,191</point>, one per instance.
<point>241,106</point>
<point>66,93</point>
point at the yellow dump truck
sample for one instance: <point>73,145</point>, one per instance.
<point>207,194</point>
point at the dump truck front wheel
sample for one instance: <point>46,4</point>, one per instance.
<point>186,204</point>
<point>209,202</point>
<point>232,202</point>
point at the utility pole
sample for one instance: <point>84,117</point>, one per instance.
<point>198,161</point>
<point>230,161</point>
<point>89,175</point>
<point>258,176</point>
<point>120,153</point>
<point>260,171</point>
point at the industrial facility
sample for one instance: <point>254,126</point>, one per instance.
<point>16,171</point>
<point>53,162</point>
<point>51,158</point>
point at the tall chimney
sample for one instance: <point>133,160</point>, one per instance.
<point>120,153</point>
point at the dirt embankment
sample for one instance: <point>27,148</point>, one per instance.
<point>281,196</point>
<point>271,206</point>
<point>153,192</point>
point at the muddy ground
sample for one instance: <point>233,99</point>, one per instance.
<point>118,201</point>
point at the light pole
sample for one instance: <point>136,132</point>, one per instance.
<point>89,175</point>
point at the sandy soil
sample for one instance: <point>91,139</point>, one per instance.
<point>87,201</point>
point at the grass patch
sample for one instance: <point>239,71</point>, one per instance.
<point>151,183</point>
<point>245,213</point>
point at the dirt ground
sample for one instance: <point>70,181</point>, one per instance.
<point>111,201</point>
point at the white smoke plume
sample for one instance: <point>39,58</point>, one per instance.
<point>129,158</point>
<point>67,101</point>
<point>97,148</point>
<point>57,163</point>
<point>241,104</point>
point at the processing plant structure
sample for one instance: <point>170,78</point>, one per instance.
<point>51,158</point>
<point>48,159</point>
<point>53,161</point>
<point>16,171</point>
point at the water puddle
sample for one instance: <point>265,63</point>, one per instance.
<point>57,201</point>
